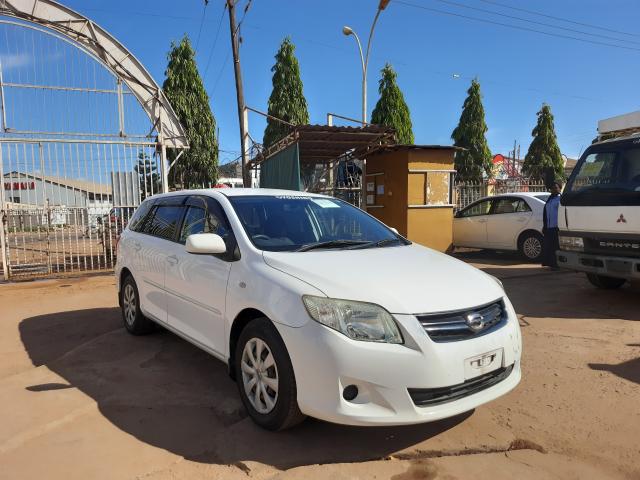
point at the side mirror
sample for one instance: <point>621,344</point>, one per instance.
<point>205,243</point>
<point>394,230</point>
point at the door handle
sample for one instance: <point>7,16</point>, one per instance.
<point>482,220</point>
<point>137,246</point>
<point>172,259</point>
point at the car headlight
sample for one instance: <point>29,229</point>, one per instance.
<point>575,244</point>
<point>367,322</point>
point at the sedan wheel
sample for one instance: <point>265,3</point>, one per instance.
<point>531,246</point>
<point>259,375</point>
<point>134,321</point>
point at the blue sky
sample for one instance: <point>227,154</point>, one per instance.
<point>518,69</point>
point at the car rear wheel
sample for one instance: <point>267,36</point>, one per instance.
<point>607,283</point>
<point>530,246</point>
<point>134,321</point>
<point>265,377</point>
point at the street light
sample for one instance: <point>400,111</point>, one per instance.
<point>364,58</point>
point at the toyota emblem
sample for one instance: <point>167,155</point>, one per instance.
<point>475,321</point>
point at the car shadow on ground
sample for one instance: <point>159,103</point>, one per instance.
<point>171,395</point>
<point>490,257</point>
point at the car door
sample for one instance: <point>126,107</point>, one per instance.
<point>196,285</point>
<point>470,225</point>
<point>151,247</point>
<point>509,216</point>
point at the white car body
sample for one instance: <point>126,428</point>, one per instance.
<point>499,230</point>
<point>202,298</point>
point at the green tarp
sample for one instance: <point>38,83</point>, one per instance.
<point>282,170</point>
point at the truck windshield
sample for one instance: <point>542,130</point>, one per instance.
<point>606,176</point>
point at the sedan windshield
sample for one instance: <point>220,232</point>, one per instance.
<point>297,223</point>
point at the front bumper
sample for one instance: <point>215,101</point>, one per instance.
<point>325,362</point>
<point>618,267</point>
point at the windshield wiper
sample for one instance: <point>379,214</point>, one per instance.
<point>330,244</point>
<point>379,243</point>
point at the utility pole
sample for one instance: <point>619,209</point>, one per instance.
<point>242,117</point>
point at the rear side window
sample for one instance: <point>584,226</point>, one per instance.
<point>137,221</point>
<point>510,205</point>
<point>164,221</point>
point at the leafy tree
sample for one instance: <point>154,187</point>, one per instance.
<point>287,101</point>
<point>391,109</point>
<point>184,89</point>
<point>543,156</point>
<point>475,160</point>
<point>148,177</point>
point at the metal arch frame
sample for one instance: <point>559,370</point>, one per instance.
<point>113,55</point>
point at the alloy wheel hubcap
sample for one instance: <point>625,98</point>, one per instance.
<point>129,303</point>
<point>259,375</point>
<point>532,247</point>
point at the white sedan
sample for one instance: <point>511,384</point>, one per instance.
<point>504,222</point>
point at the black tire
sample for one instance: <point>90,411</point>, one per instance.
<point>285,413</point>
<point>607,283</point>
<point>134,321</point>
<point>531,246</point>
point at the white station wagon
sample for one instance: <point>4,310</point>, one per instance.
<point>317,308</point>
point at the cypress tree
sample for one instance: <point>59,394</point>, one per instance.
<point>391,109</point>
<point>470,134</point>
<point>185,91</point>
<point>543,156</point>
<point>287,101</point>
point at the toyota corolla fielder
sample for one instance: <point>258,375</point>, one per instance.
<point>317,308</point>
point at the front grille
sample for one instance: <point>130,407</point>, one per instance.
<point>464,324</point>
<point>426,397</point>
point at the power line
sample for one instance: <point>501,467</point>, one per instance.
<point>528,20</point>
<point>215,40</point>
<point>560,18</point>
<point>515,27</point>
<point>224,64</point>
<point>204,14</point>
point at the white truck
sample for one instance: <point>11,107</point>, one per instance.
<point>599,215</point>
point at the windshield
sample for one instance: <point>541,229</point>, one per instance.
<point>290,223</point>
<point>608,176</point>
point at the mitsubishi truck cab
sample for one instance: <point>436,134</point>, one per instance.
<point>599,215</point>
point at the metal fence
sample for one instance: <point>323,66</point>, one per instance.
<point>77,154</point>
<point>467,193</point>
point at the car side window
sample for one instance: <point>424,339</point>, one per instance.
<point>165,221</point>
<point>204,216</point>
<point>137,221</point>
<point>505,205</point>
<point>480,208</point>
<point>522,206</point>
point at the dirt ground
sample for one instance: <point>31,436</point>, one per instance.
<point>82,399</point>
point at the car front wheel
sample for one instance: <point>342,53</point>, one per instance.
<point>134,321</point>
<point>265,377</point>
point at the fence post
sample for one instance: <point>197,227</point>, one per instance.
<point>3,216</point>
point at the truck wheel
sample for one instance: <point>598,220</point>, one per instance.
<point>607,283</point>
<point>530,246</point>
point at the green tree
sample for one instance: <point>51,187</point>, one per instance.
<point>543,156</point>
<point>148,178</point>
<point>470,135</point>
<point>391,109</point>
<point>287,100</point>
<point>185,91</point>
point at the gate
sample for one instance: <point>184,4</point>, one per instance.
<point>83,138</point>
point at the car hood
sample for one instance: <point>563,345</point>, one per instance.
<point>405,279</point>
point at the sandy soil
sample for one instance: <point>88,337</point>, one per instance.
<point>82,399</point>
